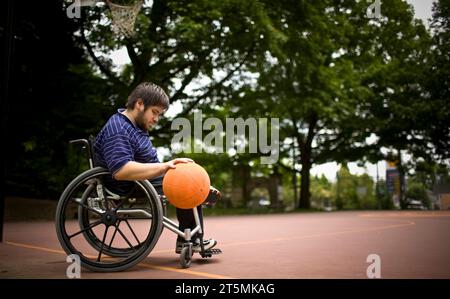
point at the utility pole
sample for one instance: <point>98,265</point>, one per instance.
<point>401,178</point>
<point>377,190</point>
<point>338,198</point>
<point>294,175</point>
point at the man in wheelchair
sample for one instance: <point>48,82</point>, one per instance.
<point>123,146</point>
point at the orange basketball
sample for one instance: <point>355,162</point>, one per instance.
<point>186,186</point>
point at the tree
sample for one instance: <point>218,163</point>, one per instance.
<point>408,109</point>
<point>354,191</point>
<point>190,48</point>
<point>430,174</point>
<point>348,78</point>
<point>54,97</point>
<point>320,85</point>
<point>322,192</point>
<point>437,84</point>
<point>298,85</point>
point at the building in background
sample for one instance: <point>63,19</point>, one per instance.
<point>441,194</point>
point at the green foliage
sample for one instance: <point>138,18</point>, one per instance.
<point>384,198</point>
<point>429,174</point>
<point>54,97</point>
<point>354,191</point>
<point>333,76</point>
<point>330,73</point>
<point>436,116</point>
<point>288,191</point>
<point>322,192</point>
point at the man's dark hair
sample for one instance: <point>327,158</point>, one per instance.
<point>151,94</point>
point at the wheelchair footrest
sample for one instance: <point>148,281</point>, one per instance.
<point>211,252</point>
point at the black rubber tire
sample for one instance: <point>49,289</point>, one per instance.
<point>186,257</point>
<point>129,261</point>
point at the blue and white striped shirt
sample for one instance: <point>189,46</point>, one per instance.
<point>120,141</point>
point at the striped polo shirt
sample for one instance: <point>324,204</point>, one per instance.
<point>121,141</point>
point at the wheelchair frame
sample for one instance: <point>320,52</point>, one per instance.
<point>109,217</point>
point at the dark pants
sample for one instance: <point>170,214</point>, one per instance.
<point>185,217</point>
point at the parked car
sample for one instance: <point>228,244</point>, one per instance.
<point>258,203</point>
<point>415,205</point>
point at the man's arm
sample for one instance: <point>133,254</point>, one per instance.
<point>132,170</point>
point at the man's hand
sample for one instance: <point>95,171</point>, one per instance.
<point>172,163</point>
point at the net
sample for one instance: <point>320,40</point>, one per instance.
<point>124,17</point>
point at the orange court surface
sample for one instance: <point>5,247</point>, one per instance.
<point>410,244</point>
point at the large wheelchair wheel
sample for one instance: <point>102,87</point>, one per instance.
<point>108,232</point>
<point>86,218</point>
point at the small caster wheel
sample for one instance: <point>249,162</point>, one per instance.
<point>186,257</point>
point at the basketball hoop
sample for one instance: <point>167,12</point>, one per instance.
<point>124,17</point>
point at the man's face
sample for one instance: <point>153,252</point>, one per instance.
<point>148,118</point>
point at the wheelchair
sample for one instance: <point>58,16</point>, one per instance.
<point>113,231</point>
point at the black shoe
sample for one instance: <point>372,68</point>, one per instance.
<point>207,244</point>
<point>213,196</point>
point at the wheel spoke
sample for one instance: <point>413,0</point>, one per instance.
<point>132,231</point>
<point>114,234</point>
<point>92,225</point>
<point>103,244</point>
<point>125,238</point>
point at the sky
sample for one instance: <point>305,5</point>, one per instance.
<point>422,10</point>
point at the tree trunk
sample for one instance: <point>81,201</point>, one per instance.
<point>401,172</point>
<point>305,195</point>
<point>294,186</point>
<point>246,177</point>
<point>305,145</point>
<point>294,176</point>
